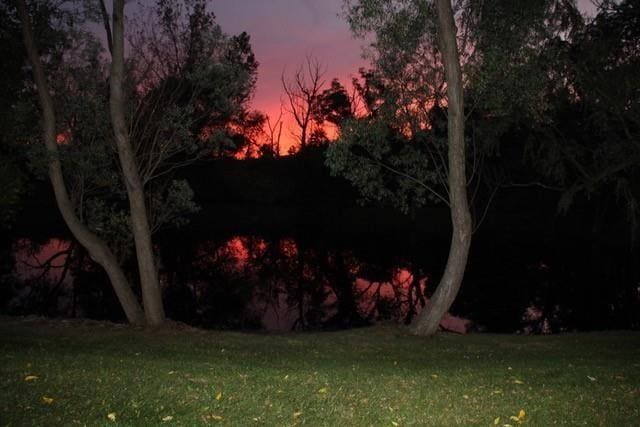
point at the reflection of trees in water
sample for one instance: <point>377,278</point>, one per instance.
<point>244,282</point>
<point>284,284</point>
<point>55,277</point>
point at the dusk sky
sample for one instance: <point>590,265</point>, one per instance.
<point>282,33</point>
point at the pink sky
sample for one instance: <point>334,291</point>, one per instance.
<point>283,33</point>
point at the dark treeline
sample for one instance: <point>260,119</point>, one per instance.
<point>524,254</point>
<point>541,163</point>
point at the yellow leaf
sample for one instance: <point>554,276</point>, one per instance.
<point>167,418</point>
<point>394,423</point>
<point>434,376</point>
<point>30,378</point>
<point>514,418</point>
<point>521,414</point>
<point>219,396</point>
<point>296,414</point>
<point>496,421</point>
<point>48,400</point>
<point>322,390</point>
<point>518,382</point>
<point>213,417</point>
<point>111,416</point>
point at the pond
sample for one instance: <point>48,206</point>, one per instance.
<point>311,281</point>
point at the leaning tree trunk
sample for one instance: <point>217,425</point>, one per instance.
<point>151,293</point>
<point>429,319</point>
<point>96,248</point>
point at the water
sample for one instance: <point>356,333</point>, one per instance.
<point>325,281</point>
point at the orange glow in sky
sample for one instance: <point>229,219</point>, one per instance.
<point>283,33</point>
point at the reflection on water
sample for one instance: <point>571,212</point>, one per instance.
<point>315,281</point>
<point>244,282</point>
<point>281,285</point>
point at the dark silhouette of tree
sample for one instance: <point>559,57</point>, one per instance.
<point>302,91</point>
<point>587,144</point>
<point>273,132</point>
<point>336,104</point>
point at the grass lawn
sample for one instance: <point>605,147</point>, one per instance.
<point>73,373</point>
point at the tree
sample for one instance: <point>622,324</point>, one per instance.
<point>398,152</point>
<point>336,104</point>
<point>96,247</point>
<point>151,292</point>
<point>273,132</point>
<point>303,92</point>
<point>203,77</point>
<point>411,89</point>
<point>426,323</point>
<point>587,142</point>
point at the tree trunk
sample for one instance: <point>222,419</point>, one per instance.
<point>97,249</point>
<point>426,323</point>
<point>151,293</point>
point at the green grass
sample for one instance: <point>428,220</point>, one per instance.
<point>374,376</point>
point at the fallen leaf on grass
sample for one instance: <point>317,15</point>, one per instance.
<point>296,414</point>
<point>516,381</point>
<point>31,378</point>
<point>322,390</point>
<point>394,423</point>
<point>111,416</point>
<point>496,421</point>
<point>214,417</point>
<point>591,378</point>
<point>48,400</point>
<point>520,417</point>
<point>434,376</point>
<point>167,418</point>
<point>219,396</point>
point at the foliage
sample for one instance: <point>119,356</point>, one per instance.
<point>588,142</point>
<point>203,78</point>
<point>17,111</point>
<point>383,165</point>
<point>336,105</point>
<point>511,54</point>
<point>395,153</point>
